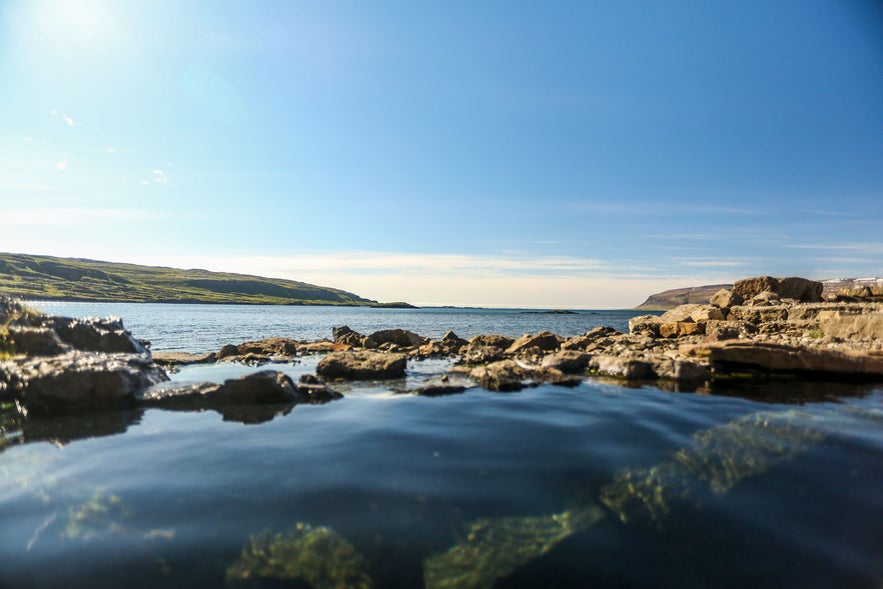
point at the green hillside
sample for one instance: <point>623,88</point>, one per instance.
<point>73,279</point>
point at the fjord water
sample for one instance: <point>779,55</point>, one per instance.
<point>774,485</point>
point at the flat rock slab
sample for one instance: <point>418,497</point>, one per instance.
<point>182,358</point>
<point>362,365</point>
<point>778,357</point>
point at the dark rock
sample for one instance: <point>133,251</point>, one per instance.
<point>315,391</point>
<point>272,346</point>
<point>492,340</point>
<point>94,335</point>
<point>439,390</point>
<point>227,351</point>
<point>266,386</point>
<point>79,380</point>
<point>399,337</point>
<point>647,325</point>
<point>36,341</point>
<point>362,365</point>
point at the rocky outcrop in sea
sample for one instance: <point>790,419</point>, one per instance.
<point>761,327</point>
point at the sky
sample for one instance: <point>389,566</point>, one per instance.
<point>492,153</point>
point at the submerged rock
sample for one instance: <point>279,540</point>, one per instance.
<point>318,557</point>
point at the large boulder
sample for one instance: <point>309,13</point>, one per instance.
<point>567,361</point>
<point>78,380</point>
<point>647,325</point>
<point>799,289</point>
<point>624,366</point>
<point>725,298</point>
<point>94,335</point>
<point>362,365</point>
<point>502,376</point>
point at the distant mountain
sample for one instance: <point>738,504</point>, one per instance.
<point>75,279</point>
<point>669,299</point>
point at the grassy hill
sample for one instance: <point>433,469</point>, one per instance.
<point>73,279</point>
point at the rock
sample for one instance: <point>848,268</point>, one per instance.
<point>647,325</point>
<point>35,341</point>
<point>681,329</point>
<point>338,333</point>
<point>319,347</point>
<point>757,315</point>
<point>399,337</point>
<point>492,340</point>
<point>854,327</point>
<point>94,335</point>
<point>266,386</point>
<point>544,340</point>
<point>315,391</point>
<point>439,390</point>
<point>784,358</point>
<point>502,376</point>
<point>725,298</point>
<point>682,371</point>
<point>344,336</point>
<point>79,380</point>
<point>183,358</point>
<point>696,313</point>
<point>272,346</point>
<point>362,365</point>
<point>227,351</point>
<point>626,367</point>
<point>723,330</point>
<point>481,354</point>
<point>567,361</point>
<point>799,289</point>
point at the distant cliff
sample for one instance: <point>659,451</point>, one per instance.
<point>670,299</point>
<point>73,279</point>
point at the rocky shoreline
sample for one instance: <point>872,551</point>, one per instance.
<point>763,326</point>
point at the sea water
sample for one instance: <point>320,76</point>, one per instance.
<point>601,485</point>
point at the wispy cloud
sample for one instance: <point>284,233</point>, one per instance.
<point>864,248</point>
<point>55,217</point>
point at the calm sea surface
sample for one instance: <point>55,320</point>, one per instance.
<point>775,485</point>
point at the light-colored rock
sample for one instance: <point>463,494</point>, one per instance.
<point>681,329</point>
<point>567,361</point>
<point>647,325</point>
<point>725,298</point>
<point>778,357</point>
<point>626,367</point>
<point>854,327</point>
<point>361,365</point>
<point>544,340</point>
<point>502,376</point>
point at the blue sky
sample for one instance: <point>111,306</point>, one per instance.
<point>555,154</point>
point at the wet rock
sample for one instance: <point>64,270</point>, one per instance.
<point>799,289</point>
<point>314,390</point>
<point>567,361</point>
<point>682,371</point>
<point>266,386</point>
<point>439,390</point>
<point>544,341</point>
<point>227,351</point>
<point>78,380</point>
<point>725,298</point>
<point>361,365</point>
